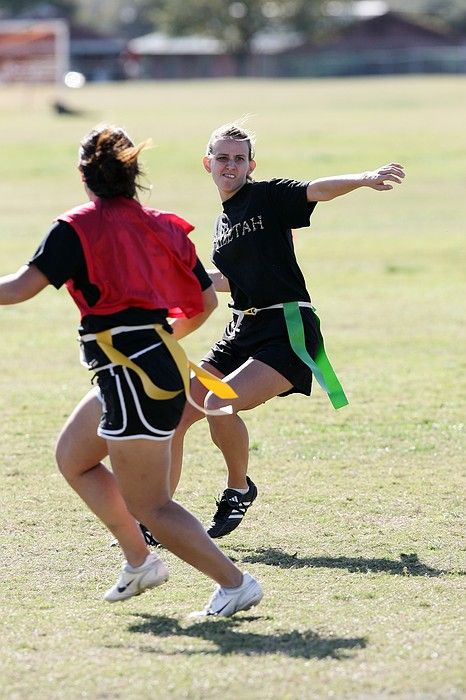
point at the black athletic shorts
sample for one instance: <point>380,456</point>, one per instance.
<point>264,337</point>
<point>127,411</point>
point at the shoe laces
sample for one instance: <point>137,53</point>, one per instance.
<point>225,506</point>
<point>218,595</point>
<point>222,505</point>
<point>125,578</point>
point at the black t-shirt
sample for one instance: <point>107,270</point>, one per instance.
<point>60,257</point>
<point>253,245</point>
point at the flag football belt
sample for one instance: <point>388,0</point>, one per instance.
<point>104,340</point>
<point>320,366</point>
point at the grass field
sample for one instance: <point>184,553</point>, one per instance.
<point>358,531</point>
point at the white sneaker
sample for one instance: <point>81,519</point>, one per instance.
<point>228,601</point>
<point>133,581</point>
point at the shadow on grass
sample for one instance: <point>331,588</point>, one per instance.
<point>224,633</point>
<point>408,565</point>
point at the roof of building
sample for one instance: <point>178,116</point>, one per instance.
<point>158,43</point>
<point>390,30</point>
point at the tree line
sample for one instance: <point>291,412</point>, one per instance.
<point>235,22</point>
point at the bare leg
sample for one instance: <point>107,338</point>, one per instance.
<point>142,469</point>
<point>189,417</point>
<point>255,383</point>
<point>79,452</point>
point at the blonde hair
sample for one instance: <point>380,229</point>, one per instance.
<point>234,131</point>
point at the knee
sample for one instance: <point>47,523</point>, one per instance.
<point>63,458</point>
<point>214,403</point>
<point>70,463</point>
<point>147,513</point>
<point>67,466</point>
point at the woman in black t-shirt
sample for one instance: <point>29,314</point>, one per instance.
<point>125,267</point>
<point>272,346</point>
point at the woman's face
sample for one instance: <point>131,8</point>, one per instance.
<point>229,166</point>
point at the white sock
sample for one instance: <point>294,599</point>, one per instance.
<point>146,561</point>
<point>241,491</point>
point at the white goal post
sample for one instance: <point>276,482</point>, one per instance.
<point>34,51</point>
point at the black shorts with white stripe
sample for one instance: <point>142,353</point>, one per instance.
<point>127,411</point>
<point>264,337</point>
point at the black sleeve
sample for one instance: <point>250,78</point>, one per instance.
<point>290,202</point>
<point>60,255</point>
<point>201,274</point>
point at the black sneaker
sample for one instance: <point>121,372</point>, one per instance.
<point>148,536</point>
<point>231,510</point>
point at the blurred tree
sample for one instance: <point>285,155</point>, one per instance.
<point>16,9</point>
<point>443,8</point>
<point>450,13</point>
<point>447,12</point>
<point>127,17</point>
<point>236,22</point>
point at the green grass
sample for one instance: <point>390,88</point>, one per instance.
<point>358,531</point>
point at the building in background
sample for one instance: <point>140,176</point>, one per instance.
<point>97,55</point>
<point>158,55</point>
<point>389,43</point>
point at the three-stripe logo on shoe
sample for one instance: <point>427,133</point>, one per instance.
<point>239,507</point>
<point>231,508</point>
<point>122,589</point>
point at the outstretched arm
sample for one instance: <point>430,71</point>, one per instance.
<point>22,285</point>
<point>325,188</point>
